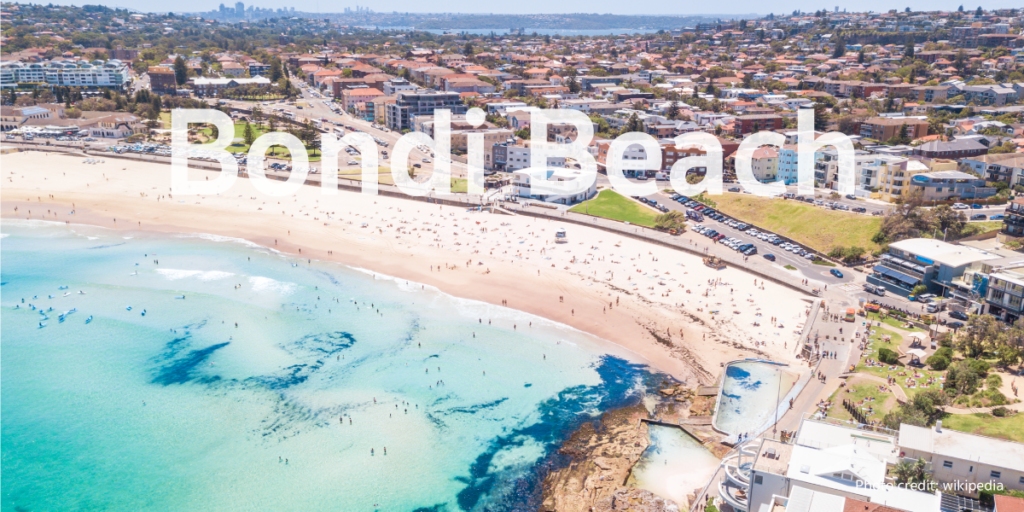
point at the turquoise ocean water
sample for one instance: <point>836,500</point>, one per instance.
<point>179,409</point>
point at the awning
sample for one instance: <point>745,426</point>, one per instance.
<point>903,278</point>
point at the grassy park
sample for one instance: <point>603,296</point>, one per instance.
<point>258,130</point>
<point>1010,427</point>
<point>809,225</point>
<point>612,205</point>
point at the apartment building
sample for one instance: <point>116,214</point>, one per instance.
<point>885,128</point>
<point>111,74</point>
<point>1004,167</point>
<point>1013,224</point>
<point>162,79</point>
<point>948,185</point>
<point>407,105</point>
<point>754,123</point>
<point>213,86</point>
<point>1004,296</point>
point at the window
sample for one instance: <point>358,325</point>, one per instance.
<point>947,464</point>
<point>995,474</point>
<point>758,479</point>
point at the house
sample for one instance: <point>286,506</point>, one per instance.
<point>232,68</point>
<point>954,456</point>
<point>161,79</point>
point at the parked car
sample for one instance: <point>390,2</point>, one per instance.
<point>851,196</point>
<point>979,216</point>
<point>959,315</point>
<point>955,325</point>
<point>734,189</point>
<point>997,217</point>
<point>976,206</point>
<point>959,206</point>
<point>769,257</point>
<point>836,273</point>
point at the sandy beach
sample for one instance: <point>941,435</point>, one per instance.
<point>664,305</point>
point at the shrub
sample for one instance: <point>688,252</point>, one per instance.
<point>946,352</point>
<point>888,356</point>
<point>1000,412</point>
<point>996,398</point>
<point>980,366</point>
<point>993,382</point>
<point>937,362</point>
<point>963,377</point>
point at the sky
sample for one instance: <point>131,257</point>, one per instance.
<point>565,6</point>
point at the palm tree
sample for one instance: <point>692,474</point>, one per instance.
<point>907,472</point>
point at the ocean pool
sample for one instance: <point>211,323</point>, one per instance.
<point>673,465</point>
<point>750,396</point>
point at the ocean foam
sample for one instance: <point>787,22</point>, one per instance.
<point>261,284</point>
<point>173,274</point>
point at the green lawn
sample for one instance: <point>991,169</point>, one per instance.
<point>810,225</point>
<point>612,205</point>
<point>893,344</point>
<point>1011,427</point>
<point>880,402</point>
<point>894,322</point>
<point>275,151</point>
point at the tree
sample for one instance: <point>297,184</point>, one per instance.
<point>573,84</point>
<point>180,71</point>
<point>908,49</point>
<point>671,220</point>
<point>248,135</point>
<point>820,117</point>
<point>981,332</point>
<point>257,114</point>
<point>960,61</point>
<point>634,124</point>
<point>860,56</point>
<point>276,71</point>
<point>673,110</point>
<point>911,473</point>
<point>840,49</point>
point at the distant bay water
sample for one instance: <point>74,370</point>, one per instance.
<point>538,31</point>
<point>219,375</point>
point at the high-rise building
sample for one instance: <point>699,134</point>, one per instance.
<point>240,8</point>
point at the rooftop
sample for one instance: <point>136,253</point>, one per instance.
<point>930,251</point>
<point>964,446</point>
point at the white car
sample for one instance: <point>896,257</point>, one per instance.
<point>960,206</point>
